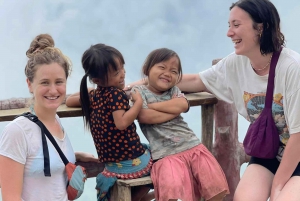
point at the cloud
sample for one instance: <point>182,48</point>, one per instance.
<point>196,30</point>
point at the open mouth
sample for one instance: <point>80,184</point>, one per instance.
<point>164,80</point>
<point>236,41</point>
<point>52,97</point>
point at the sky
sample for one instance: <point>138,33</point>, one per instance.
<point>195,29</point>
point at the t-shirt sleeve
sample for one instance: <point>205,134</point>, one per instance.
<point>292,108</point>
<point>293,114</point>
<point>215,80</point>
<point>118,100</point>
<point>143,95</point>
<point>13,143</point>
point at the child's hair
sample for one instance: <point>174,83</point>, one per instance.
<point>42,51</point>
<point>96,62</point>
<point>160,55</point>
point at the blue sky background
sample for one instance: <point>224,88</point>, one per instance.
<point>196,30</point>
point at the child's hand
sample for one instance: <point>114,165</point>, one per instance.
<point>181,95</point>
<point>135,96</point>
<point>127,91</point>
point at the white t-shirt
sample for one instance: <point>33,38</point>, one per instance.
<point>233,80</point>
<point>21,141</point>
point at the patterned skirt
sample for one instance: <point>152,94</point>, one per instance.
<point>129,169</point>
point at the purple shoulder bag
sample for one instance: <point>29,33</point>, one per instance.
<point>262,139</point>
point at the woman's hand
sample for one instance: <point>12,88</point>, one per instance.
<point>274,193</point>
<point>86,157</point>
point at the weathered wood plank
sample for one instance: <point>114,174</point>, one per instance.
<point>207,119</point>
<point>124,193</point>
<point>63,111</point>
<point>195,99</point>
<point>201,98</point>
<point>135,182</point>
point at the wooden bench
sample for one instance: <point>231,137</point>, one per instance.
<point>121,191</point>
<point>122,188</point>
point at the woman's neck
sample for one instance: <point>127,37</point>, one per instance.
<point>47,115</point>
<point>261,63</point>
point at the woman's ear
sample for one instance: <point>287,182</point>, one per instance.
<point>29,84</point>
<point>260,27</point>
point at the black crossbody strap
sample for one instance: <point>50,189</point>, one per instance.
<point>44,131</point>
<point>51,138</point>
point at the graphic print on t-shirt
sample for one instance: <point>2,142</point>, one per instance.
<point>255,103</point>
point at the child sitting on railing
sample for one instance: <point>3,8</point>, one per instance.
<point>110,119</point>
<point>184,168</point>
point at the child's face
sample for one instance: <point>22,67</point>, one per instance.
<point>117,78</point>
<point>163,76</point>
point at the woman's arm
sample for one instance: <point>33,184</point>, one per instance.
<point>11,179</point>
<point>288,164</point>
<point>85,157</point>
<point>139,82</point>
<point>149,116</point>
<point>191,83</point>
<point>122,118</point>
<point>173,106</point>
<point>74,99</point>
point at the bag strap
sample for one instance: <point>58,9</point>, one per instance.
<point>52,140</point>
<point>270,87</point>
<point>44,131</point>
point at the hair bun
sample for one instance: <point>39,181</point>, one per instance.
<point>40,42</point>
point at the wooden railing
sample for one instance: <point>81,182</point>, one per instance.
<point>226,148</point>
<point>204,99</point>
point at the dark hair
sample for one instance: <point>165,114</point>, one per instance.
<point>96,62</point>
<point>157,56</point>
<point>263,11</point>
<point>42,51</point>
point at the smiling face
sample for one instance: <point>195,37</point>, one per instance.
<point>242,33</point>
<point>163,75</point>
<point>116,78</point>
<point>48,87</point>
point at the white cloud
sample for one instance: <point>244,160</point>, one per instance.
<point>196,30</point>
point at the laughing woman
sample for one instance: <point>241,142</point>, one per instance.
<point>241,78</point>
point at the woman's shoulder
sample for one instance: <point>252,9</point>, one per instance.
<point>289,55</point>
<point>231,62</point>
<point>21,125</point>
<point>19,132</point>
<point>288,63</point>
<point>234,59</point>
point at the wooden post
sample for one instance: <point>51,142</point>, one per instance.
<point>207,112</point>
<point>228,151</point>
